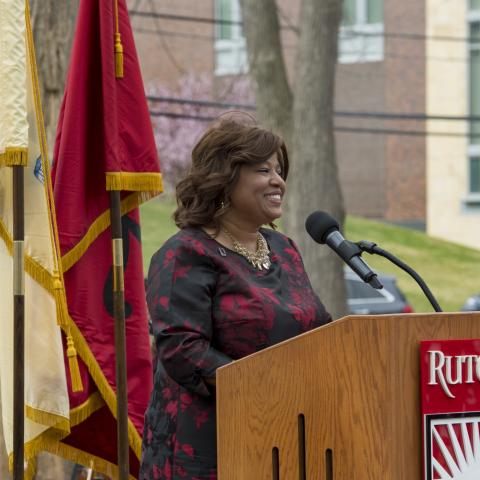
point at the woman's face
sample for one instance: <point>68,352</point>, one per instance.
<point>257,197</point>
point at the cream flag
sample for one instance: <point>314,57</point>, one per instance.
<point>21,131</point>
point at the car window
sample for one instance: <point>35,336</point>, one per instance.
<point>357,290</point>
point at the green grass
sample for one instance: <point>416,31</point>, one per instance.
<point>451,271</point>
<point>157,226</point>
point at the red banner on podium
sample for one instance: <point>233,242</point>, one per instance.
<point>450,389</point>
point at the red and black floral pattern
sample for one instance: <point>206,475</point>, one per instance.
<point>209,306</point>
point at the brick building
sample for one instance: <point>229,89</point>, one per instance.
<point>400,64</point>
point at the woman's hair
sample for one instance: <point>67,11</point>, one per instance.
<point>203,196</point>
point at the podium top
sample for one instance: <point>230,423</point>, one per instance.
<point>355,384</point>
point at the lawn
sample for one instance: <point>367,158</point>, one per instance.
<point>451,271</point>
<point>157,226</point>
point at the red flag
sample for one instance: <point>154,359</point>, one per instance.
<point>104,142</point>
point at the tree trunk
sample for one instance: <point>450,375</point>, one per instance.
<point>305,119</point>
<point>266,62</point>
<point>315,181</point>
<point>53,24</point>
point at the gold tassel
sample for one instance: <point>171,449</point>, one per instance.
<point>118,44</point>
<point>62,320</point>
<point>77,385</point>
<point>118,57</point>
<point>61,301</point>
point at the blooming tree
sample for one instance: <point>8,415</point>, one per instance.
<point>178,126</point>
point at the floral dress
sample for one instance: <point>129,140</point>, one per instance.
<point>210,306</point>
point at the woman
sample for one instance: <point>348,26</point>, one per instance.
<point>223,287</point>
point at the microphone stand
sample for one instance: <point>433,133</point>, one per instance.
<point>372,248</point>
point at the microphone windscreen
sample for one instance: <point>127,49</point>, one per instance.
<point>319,225</point>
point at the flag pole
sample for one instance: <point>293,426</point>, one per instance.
<point>19,322</point>
<point>120,338</point>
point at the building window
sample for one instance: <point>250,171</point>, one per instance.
<point>475,175</point>
<point>230,47</point>
<point>473,185</point>
<point>361,32</point>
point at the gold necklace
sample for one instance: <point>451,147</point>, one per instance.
<point>260,259</point>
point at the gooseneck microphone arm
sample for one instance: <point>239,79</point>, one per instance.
<point>372,248</point>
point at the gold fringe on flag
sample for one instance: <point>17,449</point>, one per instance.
<point>14,156</point>
<point>99,225</point>
<point>47,418</point>
<point>134,181</point>
<point>55,287</point>
<point>83,411</point>
<point>118,44</point>
<point>44,442</point>
<point>105,389</point>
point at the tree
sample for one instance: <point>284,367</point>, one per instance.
<point>303,114</point>
<point>53,25</point>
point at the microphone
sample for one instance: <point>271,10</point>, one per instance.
<point>323,228</point>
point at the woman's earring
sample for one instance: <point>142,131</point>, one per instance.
<point>222,205</point>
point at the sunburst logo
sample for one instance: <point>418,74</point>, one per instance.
<point>454,447</point>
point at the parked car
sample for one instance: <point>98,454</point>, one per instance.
<point>472,304</point>
<point>83,473</point>
<point>362,299</point>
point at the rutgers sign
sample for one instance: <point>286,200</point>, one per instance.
<point>450,387</point>
<point>448,370</point>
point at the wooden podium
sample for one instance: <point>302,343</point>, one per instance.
<point>340,402</point>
